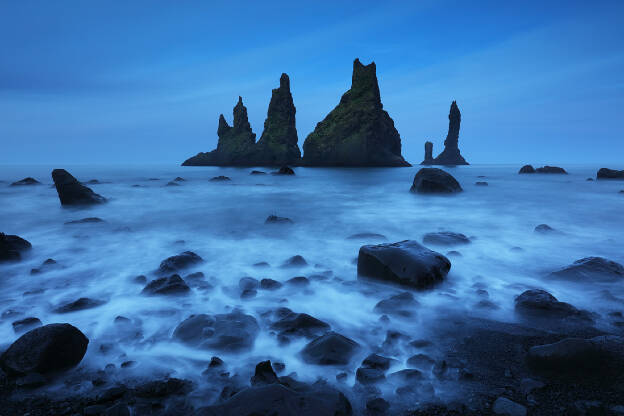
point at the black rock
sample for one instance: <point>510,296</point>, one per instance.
<point>591,269</point>
<point>26,182</point>
<point>26,324</point>
<point>274,219</point>
<point>428,154</point>
<point>300,325</point>
<point>405,263</point>
<point>264,374</point>
<point>172,183</point>
<point>377,361</point>
<point>46,349</point>
<point>402,304</point>
<point>434,181</point>
<point>172,285</point>
<point>262,264</point>
<point>270,284</point>
<point>537,304</point>
<point>481,183</point>
<point>377,406</point>
<point>550,169</point>
<point>31,381</point>
<point>89,220</point>
<point>233,331</point>
<point>330,349</point>
<point>45,266</point>
<point>247,283</point>
<point>158,389</point>
<point>12,247</point>
<point>79,305</point>
<point>407,375</point>
<point>72,192</point>
<point>445,238</point>
<point>544,229</point>
<point>298,281</point>
<point>450,156</point>
<point>179,262</point>
<point>605,173</point>
<point>527,169</point>
<point>220,179</point>
<point>284,170</point>
<point>295,261</point>
<point>257,172</point>
<point>369,375</point>
<point>422,361</point>
<point>179,179</point>
<point>248,293</point>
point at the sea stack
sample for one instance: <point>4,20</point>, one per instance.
<point>358,132</point>
<point>450,156</point>
<point>71,192</point>
<point>278,143</point>
<point>428,154</point>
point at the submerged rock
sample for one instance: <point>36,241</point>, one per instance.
<point>605,173</point>
<point>26,182</point>
<point>402,304</point>
<point>46,349</point>
<point>12,247</point>
<point>591,269</point>
<point>179,262</point>
<point>72,192</point>
<point>434,180</point>
<point>89,220</point>
<point>257,172</point>
<point>295,261</point>
<point>270,284</point>
<point>445,238</point>
<point>527,169</point>
<point>172,285</point>
<point>539,304</point>
<point>284,170</point>
<point>481,183</point>
<point>300,325</point>
<point>274,219</point>
<point>367,236</point>
<point>26,324</point>
<point>330,349</point>
<point>550,169</point>
<point>451,156</point>
<point>220,179</point>
<point>544,229</point>
<point>233,331</point>
<point>79,305</point>
<point>405,263</point>
<point>358,132</point>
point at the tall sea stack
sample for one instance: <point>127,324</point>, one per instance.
<point>428,154</point>
<point>450,155</point>
<point>358,132</point>
<point>278,143</point>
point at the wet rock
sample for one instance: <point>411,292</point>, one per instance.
<point>504,406</point>
<point>181,261</point>
<point>605,173</point>
<point>408,375</point>
<point>47,265</point>
<point>233,331</point>
<point>163,388</point>
<point>298,281</point>
<point>369,375</point>
<point>299,325</point>
<point>539,304</point>
<point>194,276</point>
<point>262,264</point>
<point>527,169</point>
<point>26,324</point>
<point>257,172</point>
<point>402,304</point>
<point>274,219</point>
<point>248,293</point>
<point>26,182</point>
<point>295,261</point>
<point>453,253</point>
<point>421,361</point>
<point>179,179</point>
<point>172,183</point>
<point>279,400</point>
<point>89,220</point>
<point>377,406</point>
<point>49,348</point>
<point>550,169</point>
<point>445,238</point>
<point>358,132</point>
<point>284,170</point>
<point>451,156</point>
<point>247,283</point>
<point>544,229</point>
<point>79,305</point>
<point>434,181</point>
<point>215,362</point>
<point>12,247</point>
<point>591,269</point>
<point>367,236</point>
<point>270,284</point>
<point>405,263</point>
<point>264,374</point>
<point>377,361</point>
<point>31,381</point>
<point>71,192</point>
<point>140,279</point>
<point>220,179</point>
<point>330,349</point>
<point>481,183</point>
<point>172,285</point>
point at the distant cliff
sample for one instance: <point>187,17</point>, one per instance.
<point>450,155</point>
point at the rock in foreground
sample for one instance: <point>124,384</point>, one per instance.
<point>434,181</point>
<point>12,246</point>
<point>71,192</point>
<point>46,349</point>
<point>406,263</point>
<point>537,304</point>
<point>591,269</point>
<point>605,173</point>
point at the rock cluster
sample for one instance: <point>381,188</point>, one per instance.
<point>12,247</point>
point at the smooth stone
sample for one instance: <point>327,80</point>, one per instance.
<point>26,324</point>
<point>591,269</point>
<point>257,172</point>
<point>402,304</point>
<point>367,236</point>
<point>79,305</point>
<point>172,285</point>
<point>295,261</point>
<point>544,229</point>
<point>536,303</point>
<point>284,170</point>
<point>220,179</point>
<point>270,284</point>
<point>298,281</point>
<point>481,183</point>
<point>434,181</point>
<point>330,349</point>
<point>12,247</point>
<point>234,331</point>
<point>445,238</point>
<point>300,325</point>
<point>181,261</point>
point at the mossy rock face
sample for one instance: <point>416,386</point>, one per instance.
<point>358,132</point>
<point>278,143</point>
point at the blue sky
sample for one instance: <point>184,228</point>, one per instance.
<point>145,81</point>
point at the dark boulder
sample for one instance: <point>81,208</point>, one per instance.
<point>451,156</point>
<point>527,169</point>
<point>89,220</point>
<point>172,285</point>
<point>257,172</point>
<point>284,170</point>
<point>299,325</point>
<point>605,173</point>
<point>270,284</point>
<point>330,349</point>
<point>26,182</point>
<point>402,304</point>
<point>550,169</point>
<point>377,361</point>
<point>544,229</point>
<point>179,179</point>
<point>181,261</point>
<point>46,349</point>
<point>537,304</point>
<point>220,178</point>
<point>405,263</point>
<point>172,183</point>
<point>591,269</point>
<point>26,324</point>
<point>72,192</point>
<point>295,261</point>
<point>369,375</point>
<point>358,132</point>
<point>233,331</point>
<point>246,283</point>
<point>12,247</point>
<point>274,219</point>
<point>445,238</point>
<point>298,281</point>
<point>264,374</point>
<point>79,305</point>
<point>434,181</point>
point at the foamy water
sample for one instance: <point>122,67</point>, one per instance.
<point>223,222</point>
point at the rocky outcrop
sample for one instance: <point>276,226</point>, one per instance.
<point>605,173</point>
<point>450,155</point>
<point>358,132</point>
<point>434,181</point>
<point>278,143</point>
<point>12,246</point>
<point>330,349</point>
<point>527,169</point>
<point>551,169</point>
<point>591,269</point>
<point>26,182</point>
<point>71,192</point>
<point>428,154</point>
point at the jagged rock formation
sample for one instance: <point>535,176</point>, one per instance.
<point>72,192</point>
<point>235,143</point>
<point>450,155</point>
<point>278,143</point>
<point>358,132</point>
<point>428,154</point>
<point>605,173</point>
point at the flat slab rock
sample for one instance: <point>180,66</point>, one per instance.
<point>445,238</point>
<point>405,263</point>
<point>591,269</point>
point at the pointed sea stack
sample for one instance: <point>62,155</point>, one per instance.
<point>72,192</point>
<point>450,156</point>
<point>235,145</point>
<point>278,143</point>
<point>428,154</point>
<point>358,132</point>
